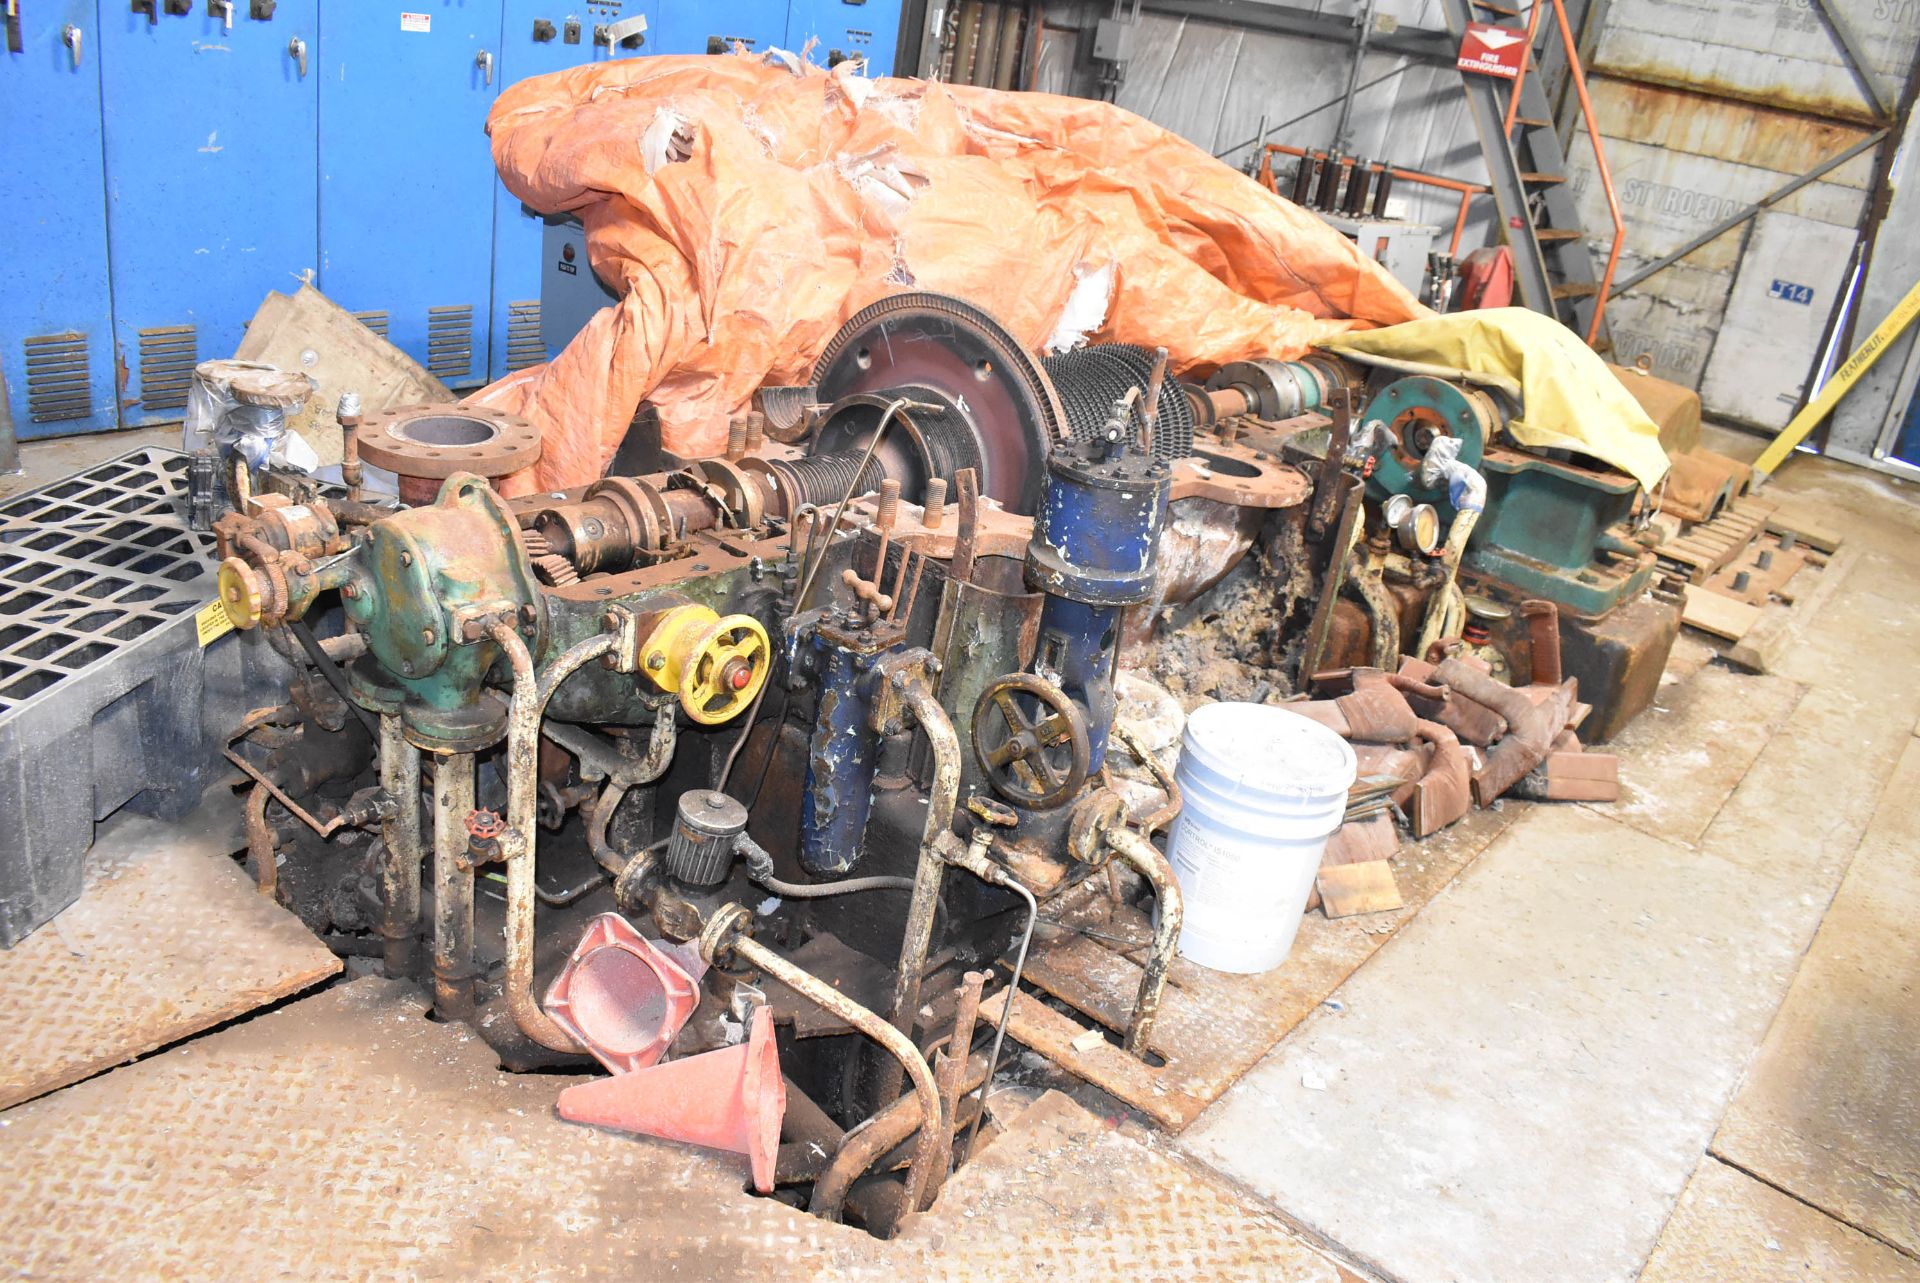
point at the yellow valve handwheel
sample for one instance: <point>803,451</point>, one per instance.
<point>715,665</point>
<point>240,593</point>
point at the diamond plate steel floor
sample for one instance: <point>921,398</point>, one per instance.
<point>169,937</point>
<point>347,1136</point>
<point>1831,1107</point>
<point>1730,1228</point>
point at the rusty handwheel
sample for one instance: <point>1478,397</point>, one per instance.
<point>1031,741</point>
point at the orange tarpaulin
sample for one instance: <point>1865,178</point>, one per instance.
<point>743,211</point>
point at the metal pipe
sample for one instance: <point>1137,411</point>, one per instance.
<point>400,831</point>
<point>1147,758</point>
<point>530,695</point>
<point>818,991</point>
<point>453,970</point>
<point>1014,885</point>
<point>953,1060</point>
<point>1145,859</point>
<point>866,1144</point>
<point>930,872</point>
<point>266,871</point>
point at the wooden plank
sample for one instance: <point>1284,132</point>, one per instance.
<point>1349,890</point>
<point>1761,646</point>
<point>1722,616</point>
<point>1806,529</point>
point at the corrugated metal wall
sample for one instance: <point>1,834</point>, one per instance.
<point>1704,106</point>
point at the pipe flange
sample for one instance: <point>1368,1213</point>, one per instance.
<point>725,925</point>
<point>433,442</point>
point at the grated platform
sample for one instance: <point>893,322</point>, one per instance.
<point>169,937</point>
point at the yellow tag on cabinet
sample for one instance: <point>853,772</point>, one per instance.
<point>212,623</point>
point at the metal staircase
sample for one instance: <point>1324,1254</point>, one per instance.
<point>1554,270</point>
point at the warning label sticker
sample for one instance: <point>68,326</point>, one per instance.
<point>211,624</point>
<point>416,22</point>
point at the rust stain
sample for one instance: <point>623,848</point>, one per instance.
<point>1814,111</point>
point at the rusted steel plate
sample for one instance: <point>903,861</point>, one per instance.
<point>169,937</point>
<point>1831,1107</point>
<point>1730,1228</point>
<point>1213,1027</point>
<point>1083,1199</point>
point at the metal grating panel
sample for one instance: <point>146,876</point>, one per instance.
<point>168,354</point>
<point>90,565</point>
<point>524,347</point>
<point>375,321</point>
<point>59,383</point>
<point>450,341</point>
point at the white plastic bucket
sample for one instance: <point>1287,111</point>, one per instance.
<point>1264,790</point>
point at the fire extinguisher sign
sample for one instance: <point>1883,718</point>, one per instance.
<point>1488,50</point>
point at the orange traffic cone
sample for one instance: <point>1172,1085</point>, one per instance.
<point>732,1099</point>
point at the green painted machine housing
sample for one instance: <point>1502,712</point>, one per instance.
<point>1559,531</point>
<point>415,583</point>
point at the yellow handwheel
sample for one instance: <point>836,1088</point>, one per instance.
<point>240,593</point>
<point>715,665</point>
<point>728,668</point>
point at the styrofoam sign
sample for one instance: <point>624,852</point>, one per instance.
<point>1488,50</point>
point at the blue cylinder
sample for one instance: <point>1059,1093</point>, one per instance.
<point>1099,524</point>
<point>1077,647</point>
<point>840,760</point>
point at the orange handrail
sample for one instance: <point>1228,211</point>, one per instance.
<point>1593,136</point>
<point>1466,190</point>
<point>1526,65</point>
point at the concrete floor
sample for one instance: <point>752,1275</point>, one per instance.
<point>1529,1081</point>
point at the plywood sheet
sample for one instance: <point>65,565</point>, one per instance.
<point>169,937</point>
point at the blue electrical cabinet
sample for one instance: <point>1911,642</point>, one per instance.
<point>847,29</point>
<point>758,25</point>
<point>540,36</point>
<point>406,175</point>
<point>56,322</point>
<point>209,109</point>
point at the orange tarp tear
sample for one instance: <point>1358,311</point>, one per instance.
<point>804,197</point>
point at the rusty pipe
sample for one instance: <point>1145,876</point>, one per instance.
<point>930,871</point>
<point>530,695</point>
<point>867,1143</point>
<point>400,871</point>
<point>260,842</point>
<point>966,1012</point>
<point>1145,859</point>
<point>1147,758</point>
<point>1543,628</point>
<point>824,995</point>
<point>453,970</point>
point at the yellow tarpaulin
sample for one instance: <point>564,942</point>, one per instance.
<point>1570,399</point>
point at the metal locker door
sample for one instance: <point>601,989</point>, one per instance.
<point>56,320</point>
<point>209,109</point>
<point>540,36</point>
<point>406,174</point>
<point>847,29</point>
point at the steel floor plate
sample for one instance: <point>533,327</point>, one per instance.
<point>1730,1228</point>
<point>348,1136</point>
<point>1213,1027</point>
<point>1831,1107</point>
<point>1066,1195</point>
<point>169,937</point>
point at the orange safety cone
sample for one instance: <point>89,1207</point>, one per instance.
<point>623,997</point>
<point>732,1099</point>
